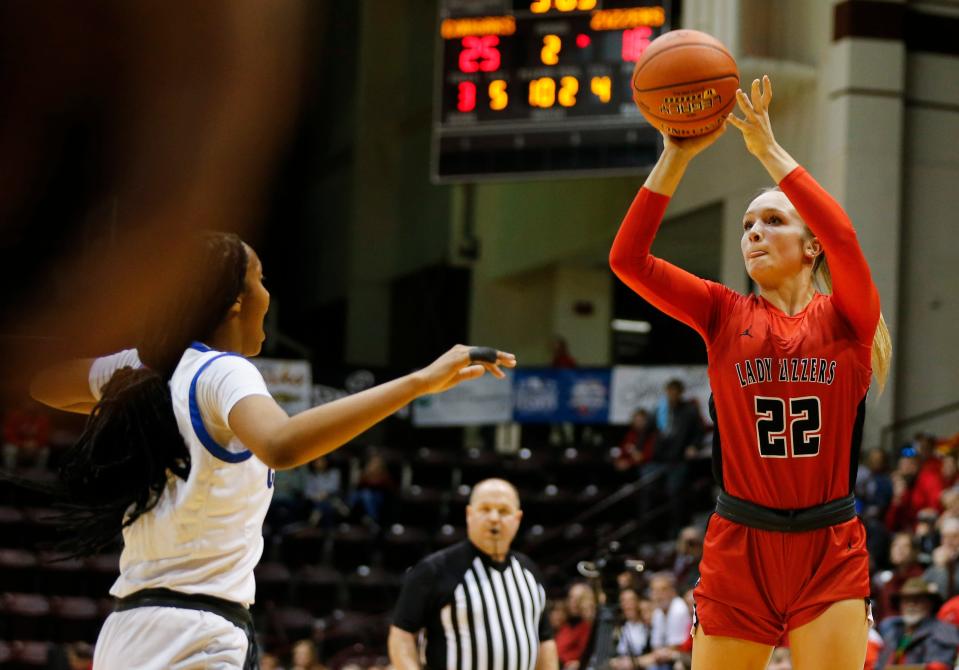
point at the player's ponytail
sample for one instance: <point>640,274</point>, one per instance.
<point>881,341</point>
<point>131,445</point>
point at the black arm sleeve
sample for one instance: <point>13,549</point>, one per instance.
<point>413,603</point>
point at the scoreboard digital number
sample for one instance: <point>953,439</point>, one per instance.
<point>540,87</point>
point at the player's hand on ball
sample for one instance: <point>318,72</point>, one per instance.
<point>687,147</point>
<point>755,126</point>
<point>462,363</point>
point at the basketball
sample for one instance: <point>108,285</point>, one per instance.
<point>685,83</point>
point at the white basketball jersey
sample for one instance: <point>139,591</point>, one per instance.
<point>205,534</point>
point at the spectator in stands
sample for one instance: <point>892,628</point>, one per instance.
<point>561,358</point>
<point>681,428</point>
<point>950,504</point>
<point>289,503</point>
<point>638,443</point>
<point>557,614</point>
<point>902,555</point>
<point>689,549</point>
<point>944,571</point>
<point>906,500</point>
<point>916,636</point>
<point>949,472</point>
<point>671,622</point>
<point>573,638</point>
<point>375,484</point>
<point>270,662</point>
<point>323,491</point>
<point>26,435</point>
<point>874,488</point>
<point>305,656</point>
<point>873,494</point>
<point>634,634</point>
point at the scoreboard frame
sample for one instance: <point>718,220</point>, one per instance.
<point>527,147</point>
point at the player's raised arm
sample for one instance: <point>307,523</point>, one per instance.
<point>668,288</point>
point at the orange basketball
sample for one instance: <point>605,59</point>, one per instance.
<point>685,83</point>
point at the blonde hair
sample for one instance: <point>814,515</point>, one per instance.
<point>881,340</point>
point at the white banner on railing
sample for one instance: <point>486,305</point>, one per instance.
<point>482,401</point>
<point>290,382</point>
<point>635,387</point>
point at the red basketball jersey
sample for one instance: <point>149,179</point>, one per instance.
<point>789,391</point>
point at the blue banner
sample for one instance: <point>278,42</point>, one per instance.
<point>556,395</point>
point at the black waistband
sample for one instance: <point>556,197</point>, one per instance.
<point>233,612</point>
<point>786,520</point>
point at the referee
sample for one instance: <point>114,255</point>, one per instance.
<point>480,605</point>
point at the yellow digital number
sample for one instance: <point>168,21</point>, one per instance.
<point>565,5</point>
<point>601,88</point>
<point>542,92</point>
<point>498,97</point>
<point>540,6</point>
<point>586,5</point>
<point>568,88</point>
<point>549,54</point>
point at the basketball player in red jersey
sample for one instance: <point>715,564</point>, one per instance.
<point>784,556</point>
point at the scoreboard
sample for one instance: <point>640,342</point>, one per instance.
<point>541,87</point>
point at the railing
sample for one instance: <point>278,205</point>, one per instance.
<point>888,433</point>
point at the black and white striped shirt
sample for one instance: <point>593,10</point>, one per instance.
<point>478,614</point>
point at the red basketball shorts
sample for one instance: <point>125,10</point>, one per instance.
<point>758,585</point>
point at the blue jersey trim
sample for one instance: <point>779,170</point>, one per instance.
<point>199,346</point>
<point>201,432</point>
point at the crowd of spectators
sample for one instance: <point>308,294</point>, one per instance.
<point>908,501</point>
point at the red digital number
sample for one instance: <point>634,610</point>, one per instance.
<point>635,42</point>
<point>466,96</point>
<point>480,53</point>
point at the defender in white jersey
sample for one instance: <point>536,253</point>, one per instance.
<point>180,450</point>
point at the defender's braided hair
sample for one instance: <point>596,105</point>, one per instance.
<point>131,446</point>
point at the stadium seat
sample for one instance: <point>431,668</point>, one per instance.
<point>18,570</point>
<point>29,655</point>
<point>76,619</point>
<point>431,469</point>
<point>403,547</point>
<point>372,590</point>
<point>318,589</point>
<point>102,571</point>
<point>420,507</point>
<point>448,535</point>
<point>65,577</point>
<point>27,616</point>
<point>272,582</point>
<point>303,545</point>
<point>478,465</point>
<point>12,526</point>
<point>342,630</point>
<point>350,546</point>
<point>295,622</point>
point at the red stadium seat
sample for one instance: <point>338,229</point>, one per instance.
<point>350,546</point>
<point>418,506</point>
<point>372,590</point>
<point>403,547</point>
<point>12,527</point>
<point>27,616</point>
<point>77,619</point>
<point>18,570</point>
<point>272,582</point>
<point>319,589</point>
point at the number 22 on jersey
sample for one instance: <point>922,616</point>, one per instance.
<point>788,427</point>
